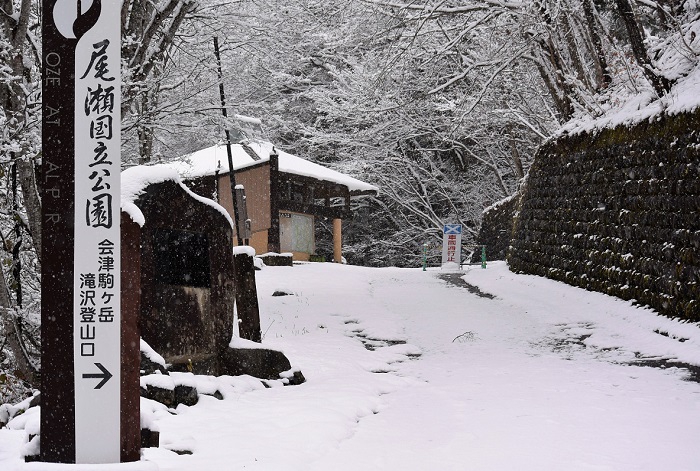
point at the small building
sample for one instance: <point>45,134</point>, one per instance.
<point>179,268</point>
<point>284,193</point>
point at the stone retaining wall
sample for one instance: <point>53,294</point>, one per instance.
<point>496,229</point>
<point>618,212</point>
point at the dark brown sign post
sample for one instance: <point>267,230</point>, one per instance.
<point>81,263</point>
<point>58,167</point>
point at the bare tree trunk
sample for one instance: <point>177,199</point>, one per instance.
<point>601,63</point>
<point>32,201</point>
<point>554,77</point>
<point>151,32</point>
<point>14,27</point>
<point>25,369</point>
<point>144,128</point>
<point>517,160</point>
<point>12,98</point>
<point>660,83</point>
<point>554,83</point>
<point>150,37</point>
<point>574,51</point>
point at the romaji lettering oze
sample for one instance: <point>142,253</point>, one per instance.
<point>98,62</point>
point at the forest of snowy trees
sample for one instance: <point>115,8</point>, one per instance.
<point>441,103</point>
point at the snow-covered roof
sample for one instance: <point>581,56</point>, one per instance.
<point>212,159</point>
<point>136,179</point>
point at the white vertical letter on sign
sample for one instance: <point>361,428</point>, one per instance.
<point>97,234</point>
<point>451,246</point>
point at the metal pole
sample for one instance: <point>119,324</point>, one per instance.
<point>231,173</point>
<point>483,256</point>
<point>425,256</point>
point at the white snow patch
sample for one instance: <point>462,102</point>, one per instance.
<point>133,466</point>
<point>237,342</point>
<point>183,379</point>
<point>135,180</point>
<point>151,354</point>
<point>245,250</point>
<point>157,380</point>
<point>28,418</point>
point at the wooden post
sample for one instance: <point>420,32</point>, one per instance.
<point>58,233</point>
<point>231,172</point>
<point>273,234</point>
<point>130,340</point>
<point>81,416</point>
<point>338,240</point>
<point>247,297</point>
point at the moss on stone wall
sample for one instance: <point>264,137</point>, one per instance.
<point>618,212</point>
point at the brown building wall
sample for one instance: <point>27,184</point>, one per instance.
<point>256,181</point>
<point>259,242</point>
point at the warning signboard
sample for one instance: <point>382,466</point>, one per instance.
<point>451,246</point>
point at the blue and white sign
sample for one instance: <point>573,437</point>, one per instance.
<point>451,246</point>
<point>452,229</point>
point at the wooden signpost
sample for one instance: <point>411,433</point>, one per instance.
<point>81,339</point>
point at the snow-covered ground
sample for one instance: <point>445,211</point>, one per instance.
<point>406,371</point>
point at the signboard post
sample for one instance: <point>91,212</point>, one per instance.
<point>451,246</point>
<point>81,236</point>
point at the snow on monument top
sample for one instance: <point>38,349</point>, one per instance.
<point>135,180</point>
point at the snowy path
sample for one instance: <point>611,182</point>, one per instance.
<point>504,400</point>
<point>408,372</point>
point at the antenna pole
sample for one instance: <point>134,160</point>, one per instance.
<point>231,173</point>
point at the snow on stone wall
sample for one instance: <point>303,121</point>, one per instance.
<point>618,212</point>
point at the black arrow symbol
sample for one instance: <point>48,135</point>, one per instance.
<point>105,375</point>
